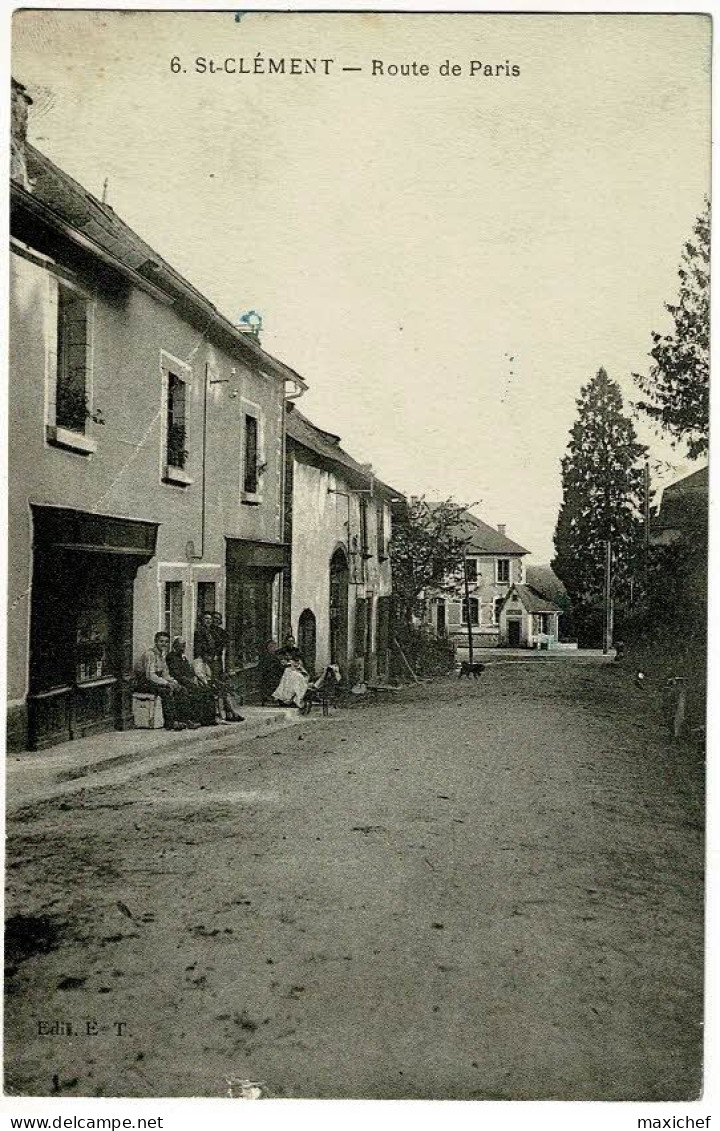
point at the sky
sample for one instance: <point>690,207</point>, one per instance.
<point>445,259</point>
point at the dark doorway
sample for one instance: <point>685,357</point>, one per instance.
<point>513,633</point>
<point>249,625</point>
<point>251,568</point>
<point>307,639</point>
<point>339,580</point>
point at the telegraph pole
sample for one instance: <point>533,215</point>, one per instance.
<point>467,607</point>
<point>646,507</point>
<point>607,631</point>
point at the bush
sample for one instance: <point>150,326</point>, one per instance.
<point>427,654</point>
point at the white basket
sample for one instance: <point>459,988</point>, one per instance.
<point>148,711</point>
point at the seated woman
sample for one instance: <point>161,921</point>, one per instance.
<point>202,668</point>
<point>290,692</point>
<point>199,702</point>
<point>272,666</point>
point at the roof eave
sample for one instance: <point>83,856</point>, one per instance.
<point>265,362</point>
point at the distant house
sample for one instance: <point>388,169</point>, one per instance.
<point>494,564</point>
<point>528,619</point>
<point>683,510</point>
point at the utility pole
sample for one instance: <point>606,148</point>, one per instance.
<point>646,507</point>
<point>467,607</point>
<point>607,631</point>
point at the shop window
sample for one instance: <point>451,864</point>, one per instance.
<point>474,604</point>
<point>173,609</point>
<point>92,638</point>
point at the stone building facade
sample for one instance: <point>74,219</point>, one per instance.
<point>146,454</point>
<point>338,524</point>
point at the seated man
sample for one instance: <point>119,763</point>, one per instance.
<point>290,692</point>
<point>153,677</point>
<point>200,701</point>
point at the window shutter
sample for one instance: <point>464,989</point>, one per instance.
<point>454,612</point>
<point>360,626</point>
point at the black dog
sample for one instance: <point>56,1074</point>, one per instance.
<point>475,670</point>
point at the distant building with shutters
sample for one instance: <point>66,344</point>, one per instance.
<point>338,527</point>
<point>494,564</point>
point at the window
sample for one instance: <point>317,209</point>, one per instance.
<point>503,571</point>
<point>474,611</point>
<point>69,377</point>
<point>250,455</point>
<point>176,436</point>
<point>381,534</point>
<point>497,604</point>
<point>472,570</point>
<point>71,393</point>
<point>364,548</point>
<point>176,376</point>
<point>173,611</point>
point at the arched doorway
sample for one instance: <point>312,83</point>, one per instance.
<point>339,581</point>
<point>307,639</point>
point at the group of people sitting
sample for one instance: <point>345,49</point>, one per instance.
<point>192,694</point>
<point>284,677</point>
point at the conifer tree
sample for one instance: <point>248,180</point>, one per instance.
<point>677,386</point>
<point>603,497</point>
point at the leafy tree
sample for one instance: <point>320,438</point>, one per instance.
<point>603,497</point>
<point>425,550</point>
<point>677,385</point>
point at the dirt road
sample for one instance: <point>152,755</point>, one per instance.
<point>488,890</point>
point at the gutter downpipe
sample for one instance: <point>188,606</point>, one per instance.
<point>300,389</point>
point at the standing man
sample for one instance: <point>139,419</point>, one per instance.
<point>153,677</point>
<point>204,639</point>
<point>220,638</point>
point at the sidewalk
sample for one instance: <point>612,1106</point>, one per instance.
<point>532,655</point>
<point>117,756</point>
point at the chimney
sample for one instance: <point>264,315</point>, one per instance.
<point>501,528</point>
<point>18,134</point>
